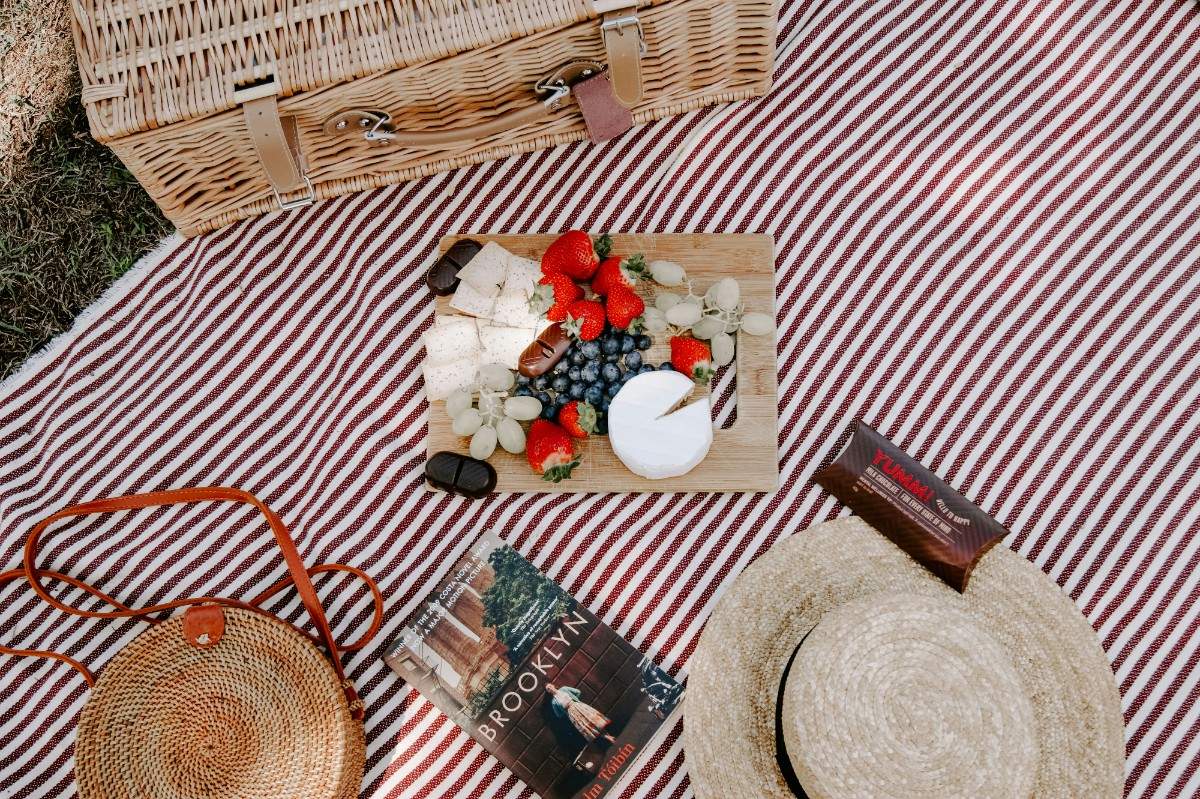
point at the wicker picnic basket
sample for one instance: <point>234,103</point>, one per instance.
<point>223,700</point>
<point>227,109</point>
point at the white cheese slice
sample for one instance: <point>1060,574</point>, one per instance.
<point>651,440</point>
<point>487,270</point>
<point>504,345</point>
<point>440,319</point>
<point>512,310</point>
<point>522,276</point>
<point>472,302</point>
<point>443,379</point>
<point>452,340</point>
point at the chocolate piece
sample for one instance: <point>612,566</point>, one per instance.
<point>909,504</point>
<point>545,351</point>
<point>460,474</point>
<point>442,277</point>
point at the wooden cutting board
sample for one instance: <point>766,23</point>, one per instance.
<point>743,457</point>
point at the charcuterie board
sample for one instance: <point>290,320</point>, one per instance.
<point>743,457</point>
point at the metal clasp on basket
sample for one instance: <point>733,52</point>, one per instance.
<point>558,90</point>
<point>629,21</point>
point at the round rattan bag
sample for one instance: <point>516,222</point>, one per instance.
<point>223,700</point>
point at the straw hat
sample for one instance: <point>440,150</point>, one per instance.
<point>885,682</point>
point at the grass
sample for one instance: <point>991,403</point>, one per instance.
<point>72,218</point>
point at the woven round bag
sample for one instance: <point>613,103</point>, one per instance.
<point>224,700</point>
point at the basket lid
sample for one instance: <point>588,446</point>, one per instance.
<point>148,63</point>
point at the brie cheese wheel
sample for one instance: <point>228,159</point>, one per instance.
<point>652,440</point>
<point>487,271</point>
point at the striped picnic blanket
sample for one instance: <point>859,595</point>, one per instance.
<point>986,219</point>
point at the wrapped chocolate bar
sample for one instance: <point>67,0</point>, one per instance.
<point>909,504</point>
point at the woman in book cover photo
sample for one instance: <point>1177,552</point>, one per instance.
<point>568,703</point>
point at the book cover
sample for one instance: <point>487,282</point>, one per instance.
<point>534,677</point>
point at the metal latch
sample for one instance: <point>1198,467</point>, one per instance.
<point>619,24</point>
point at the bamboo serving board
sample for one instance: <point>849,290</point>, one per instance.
<point>743,457</point>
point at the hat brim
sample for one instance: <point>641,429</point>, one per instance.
<point>734,675</point>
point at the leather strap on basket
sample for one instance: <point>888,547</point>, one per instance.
<point>624,46</point>
<point>276,140</point>
<point>298,575</point>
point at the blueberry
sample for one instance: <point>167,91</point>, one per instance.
<point>604,403</point>
<point>628,343</point>
<point>540,383</point>
<point>602,427</point>
<point>578,358</point>
<point>666,366</point>
<point>589,373</point>
<point>576,390</point>
<point>633,360</point>
<point>613,388</point>
<point>593,395</point>
<point>590,349</point>
<point>561,400</point>
<point>643,342</point>
<point>543,397</point>
<point>573,374</point>
<point>610,372</point>
<point>612,358</point>
<point>548,410</point>
<point>627,376</point>
<point>522,380</point>
<point>561,367</point>
<point>560,383</point>
<point>646,368</point>
<point>522,391</point>
<point>610,346</point>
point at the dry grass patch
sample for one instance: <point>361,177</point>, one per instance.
<point>37,73</point>
<point>72,218</point>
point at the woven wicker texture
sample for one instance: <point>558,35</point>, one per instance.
<point>148,63</point>
<point>205,173</point>
<point>260,715</point>
<point>898,696</point>
<point>734,675</point>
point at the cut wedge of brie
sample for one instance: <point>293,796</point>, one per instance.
<point>649,437</point>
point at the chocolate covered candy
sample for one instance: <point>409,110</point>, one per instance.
<point>545,351</point>
<point>442,277</point>
<point>460,474</point>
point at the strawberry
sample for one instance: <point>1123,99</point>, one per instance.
<point>616,272</point>
<point>577,418</point>
<point>624,309</point>
<point>571,254</point>
<point>691,356</point>
<point>585,320</point>
<point>554,294</point>
<point>550,451</point>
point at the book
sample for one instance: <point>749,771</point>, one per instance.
<point>550,690</point>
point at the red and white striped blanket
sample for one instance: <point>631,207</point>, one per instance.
<point>987,220</point>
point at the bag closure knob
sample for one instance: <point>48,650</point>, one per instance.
<point>203,625</point>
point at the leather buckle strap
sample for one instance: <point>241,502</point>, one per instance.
<point>624,46</point>
<point>204,623</point>
<point>277,142</point>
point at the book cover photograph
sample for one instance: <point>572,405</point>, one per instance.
<point>545,686</point>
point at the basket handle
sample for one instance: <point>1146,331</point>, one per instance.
<point>298,575</point>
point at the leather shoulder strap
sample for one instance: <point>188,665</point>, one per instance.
<point>298,575</point>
